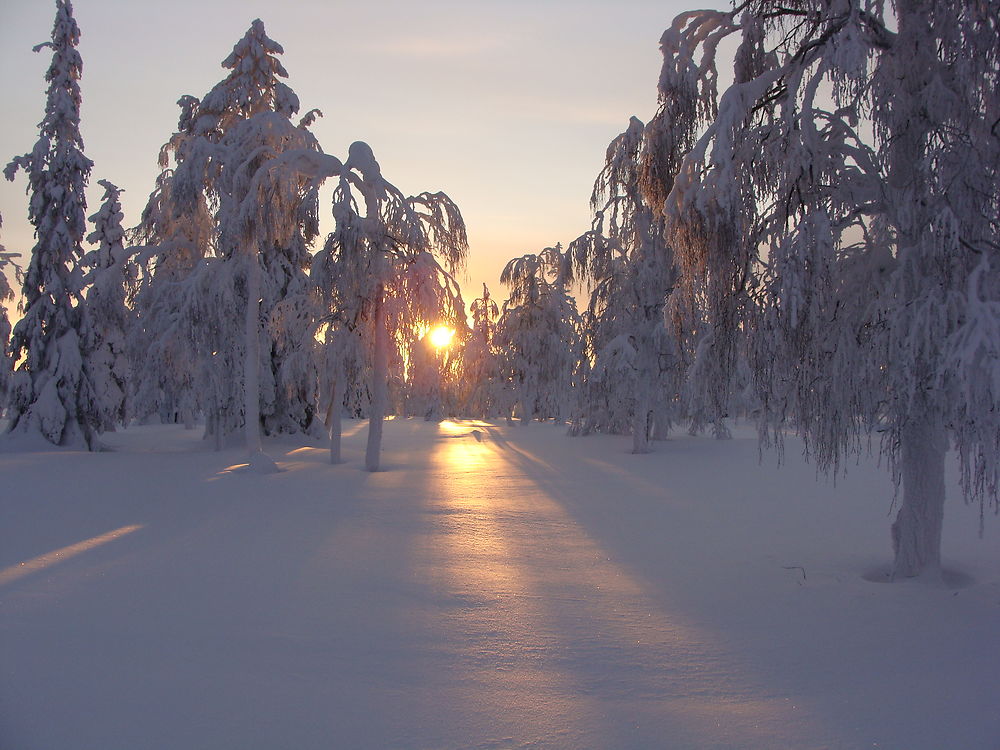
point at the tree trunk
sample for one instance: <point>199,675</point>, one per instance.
<point>333,420</point>
<point>219,421</point>
<point>916,533</point>
<point>525,409</point>
<point>640,419</point>
<point>251,360</point>
<point>380,378</point>
<point>640,431</point>
<point>251,370</point>
<point>646,365</point>
<point>213,416</point>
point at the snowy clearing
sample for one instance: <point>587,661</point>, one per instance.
<point>495,586</point>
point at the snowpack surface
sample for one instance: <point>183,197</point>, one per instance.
<point>495,586</point>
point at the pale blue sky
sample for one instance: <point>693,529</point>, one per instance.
<point>506,106</point>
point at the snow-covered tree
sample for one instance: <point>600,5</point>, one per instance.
<point>268,246</point>
<point>478,366</point>
<point>425,379</point>
<point>52,395</point>
<point>390,258</point>
<point>841,207</point>
<point>223,149</point>
<point>177,326</point>
<point>8,271</point>
<point>631,269</point>
<point>105,318</point>
<point>537,337</point>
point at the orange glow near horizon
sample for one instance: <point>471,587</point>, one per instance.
<point>441,336</point>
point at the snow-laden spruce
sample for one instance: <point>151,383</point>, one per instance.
<point>105,318</point>
<point>52,395</point>
<point>839,209</point>
<point>259,257</point>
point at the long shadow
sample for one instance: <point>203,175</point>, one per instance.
<point>828,643</point>
<point>651,655</point>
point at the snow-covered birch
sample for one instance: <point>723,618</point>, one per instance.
<point>390,258</point>
<point>841,201</point>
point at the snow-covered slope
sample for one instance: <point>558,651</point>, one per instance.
<point>494,587</point>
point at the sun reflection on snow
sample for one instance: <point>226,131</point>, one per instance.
<point>35,564</point>
<point>540,594</point>
<point>233,468</point>
<point>477,562</point>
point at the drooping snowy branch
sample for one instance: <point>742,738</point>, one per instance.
<point>630,269</point>
<point>834,211</point>
<point>386,268</point>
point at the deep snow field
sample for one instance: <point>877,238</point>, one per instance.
<point>495,586</point>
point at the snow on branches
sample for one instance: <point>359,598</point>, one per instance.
<point>537,337</point>
<point>838,208</point>
<point>630,269</point>
<point>52,394</point>
<point>105,319</point>
<point>388,263</point>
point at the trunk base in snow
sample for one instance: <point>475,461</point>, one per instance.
<point>916,532</point>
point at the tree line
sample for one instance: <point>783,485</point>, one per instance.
<point>814,248</point>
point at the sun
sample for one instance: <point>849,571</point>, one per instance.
<point>441,336</point>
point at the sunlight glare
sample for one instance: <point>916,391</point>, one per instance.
<point>441,336</point>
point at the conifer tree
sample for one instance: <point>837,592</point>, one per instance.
<point>52,394</point>
<point>245,121</point>
<point>105,318</point>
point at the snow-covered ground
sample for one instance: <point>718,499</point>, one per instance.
<point>495,587</point>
